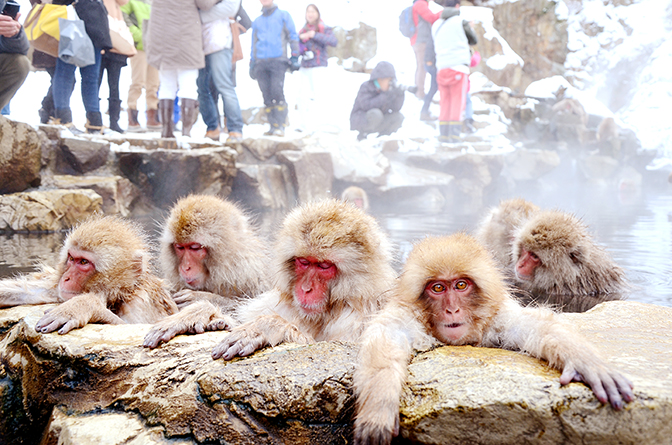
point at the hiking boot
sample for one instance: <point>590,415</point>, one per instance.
<point>234,137</point>
<point>153,123</point>
<point>213,134</point>
<point>133,124</point>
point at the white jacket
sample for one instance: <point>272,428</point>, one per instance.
<point>451,45</point>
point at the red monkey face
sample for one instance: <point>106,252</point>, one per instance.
<point>79,268</point>
<point>450,313</point>
<point>526,265</point>
<point>192,269</point>
<point>311,290</point>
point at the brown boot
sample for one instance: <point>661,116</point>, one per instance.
<point>133,124</point>
<point>189,109</point>
<point>213,134</point>
<point>153,123</point>
<point>166,108</point>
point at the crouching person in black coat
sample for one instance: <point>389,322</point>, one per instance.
<point>376,108</point>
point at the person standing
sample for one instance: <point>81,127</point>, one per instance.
<point>113,62</point>
<point>14,65</point>
<point>64,74</point>
<point>377,105</point>
<point>423,18</point>
<point>272,31</point>
<point>174,46</point>
<point>218,44</point>
<point>314,38</point>
<point>452,37</point>
<point>143,75</point>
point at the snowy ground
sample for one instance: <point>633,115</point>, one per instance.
<point>636,33</point>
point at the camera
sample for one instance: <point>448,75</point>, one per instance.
<point>11,9</point>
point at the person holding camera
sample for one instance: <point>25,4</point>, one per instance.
<point>377,105</point>
<point>272,31</point>
<point>314,38</point>
<point>14,65</point>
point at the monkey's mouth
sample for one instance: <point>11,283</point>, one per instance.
<point>452,325</point>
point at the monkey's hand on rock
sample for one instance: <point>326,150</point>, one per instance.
<point>76,313</point>
<point>609,385</point>
<point>376,430</point>
<point>195,319</point>
<point>268,330</point>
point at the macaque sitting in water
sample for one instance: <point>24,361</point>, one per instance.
<point>103,276</point>
<point>452,293</point>
<point>550,257</point>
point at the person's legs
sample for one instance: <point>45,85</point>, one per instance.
<point>64,76</point>
<point>167,94</point>
<point>221,70</point>
<point>14,69</point>
<point>277,94</point>
<point>264,78</point>
<point>206,102</point>
<point>420,73</point>
<point>188,94</point>
<point>113,76</point>
<point>391,123</point>
<point>425,115</point>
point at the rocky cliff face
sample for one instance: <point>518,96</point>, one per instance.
<point>98,382</point>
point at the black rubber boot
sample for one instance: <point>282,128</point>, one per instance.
<point>115,109</point>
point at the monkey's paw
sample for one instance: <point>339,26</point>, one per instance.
<point>608,385</point>
<point>60,320</point>
<point>374,433</point>
<point>240,342</point>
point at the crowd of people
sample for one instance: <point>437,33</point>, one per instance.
<point>185,54</point>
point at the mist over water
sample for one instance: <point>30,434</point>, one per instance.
<point>634,226</point>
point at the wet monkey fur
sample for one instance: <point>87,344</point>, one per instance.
<point>452,293</point>
<point>212,259</point>
<point>332,270</point>
<point>102,276</point>
<point>551,257</point>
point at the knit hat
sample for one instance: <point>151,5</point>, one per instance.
<point>382,70</point>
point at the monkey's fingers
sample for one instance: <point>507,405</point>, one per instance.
<point>372,435</point>
<point>218,324</point>
<point>157,336</point>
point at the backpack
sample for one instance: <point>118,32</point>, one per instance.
<point>406,24</point>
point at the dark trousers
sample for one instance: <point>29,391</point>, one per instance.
<point>113,67</point>
<point>270,74</point>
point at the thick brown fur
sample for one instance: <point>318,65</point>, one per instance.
<point>121,289</point>
<point>329,230</point>
<point>236,263</point>
<point>493,317</point>
<point>496,230</point>
<point>575,272</point>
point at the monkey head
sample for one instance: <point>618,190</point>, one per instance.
<point>105,255</point>
<point>554,254</point>
<point>455,283</point>
<point>330,253</point>
<point>201,241</point>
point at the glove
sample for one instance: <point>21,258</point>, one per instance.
<point>294,63</point>
<point>252,74</point>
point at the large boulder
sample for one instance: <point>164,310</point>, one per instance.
<point>20,156</point>
<point>47,211</point>
<point>163,176</point>
<point>302,393</point>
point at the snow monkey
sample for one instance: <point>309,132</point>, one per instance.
<point>551,257</point>
<point>102,276</point>
<point>452,293</point>
<point>212,258</point>
<point>332,269</point>
<point>357,196</point>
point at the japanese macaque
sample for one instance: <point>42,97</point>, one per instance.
<point>357,196</point>
<point>551,257</point>
<point>497,229</point>
<point>608,138</point>
<point>452,293</point>
<point>212,258</point>
<point>103,276</point>
<point>332,269</point>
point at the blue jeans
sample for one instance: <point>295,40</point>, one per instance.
<point>469,110</point>
<point>219,67</point>
<point>64,77</point>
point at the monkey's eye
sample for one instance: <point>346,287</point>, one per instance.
<point>436,287</point>
<point>325,265</point>
<point>302,261</point>
<point>195,246</point>
<point>178,246</point>
<point>461,284</point>
<point>83,261</point>
<point>534,256</point>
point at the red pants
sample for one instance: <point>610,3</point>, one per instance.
<point>453,91</point>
